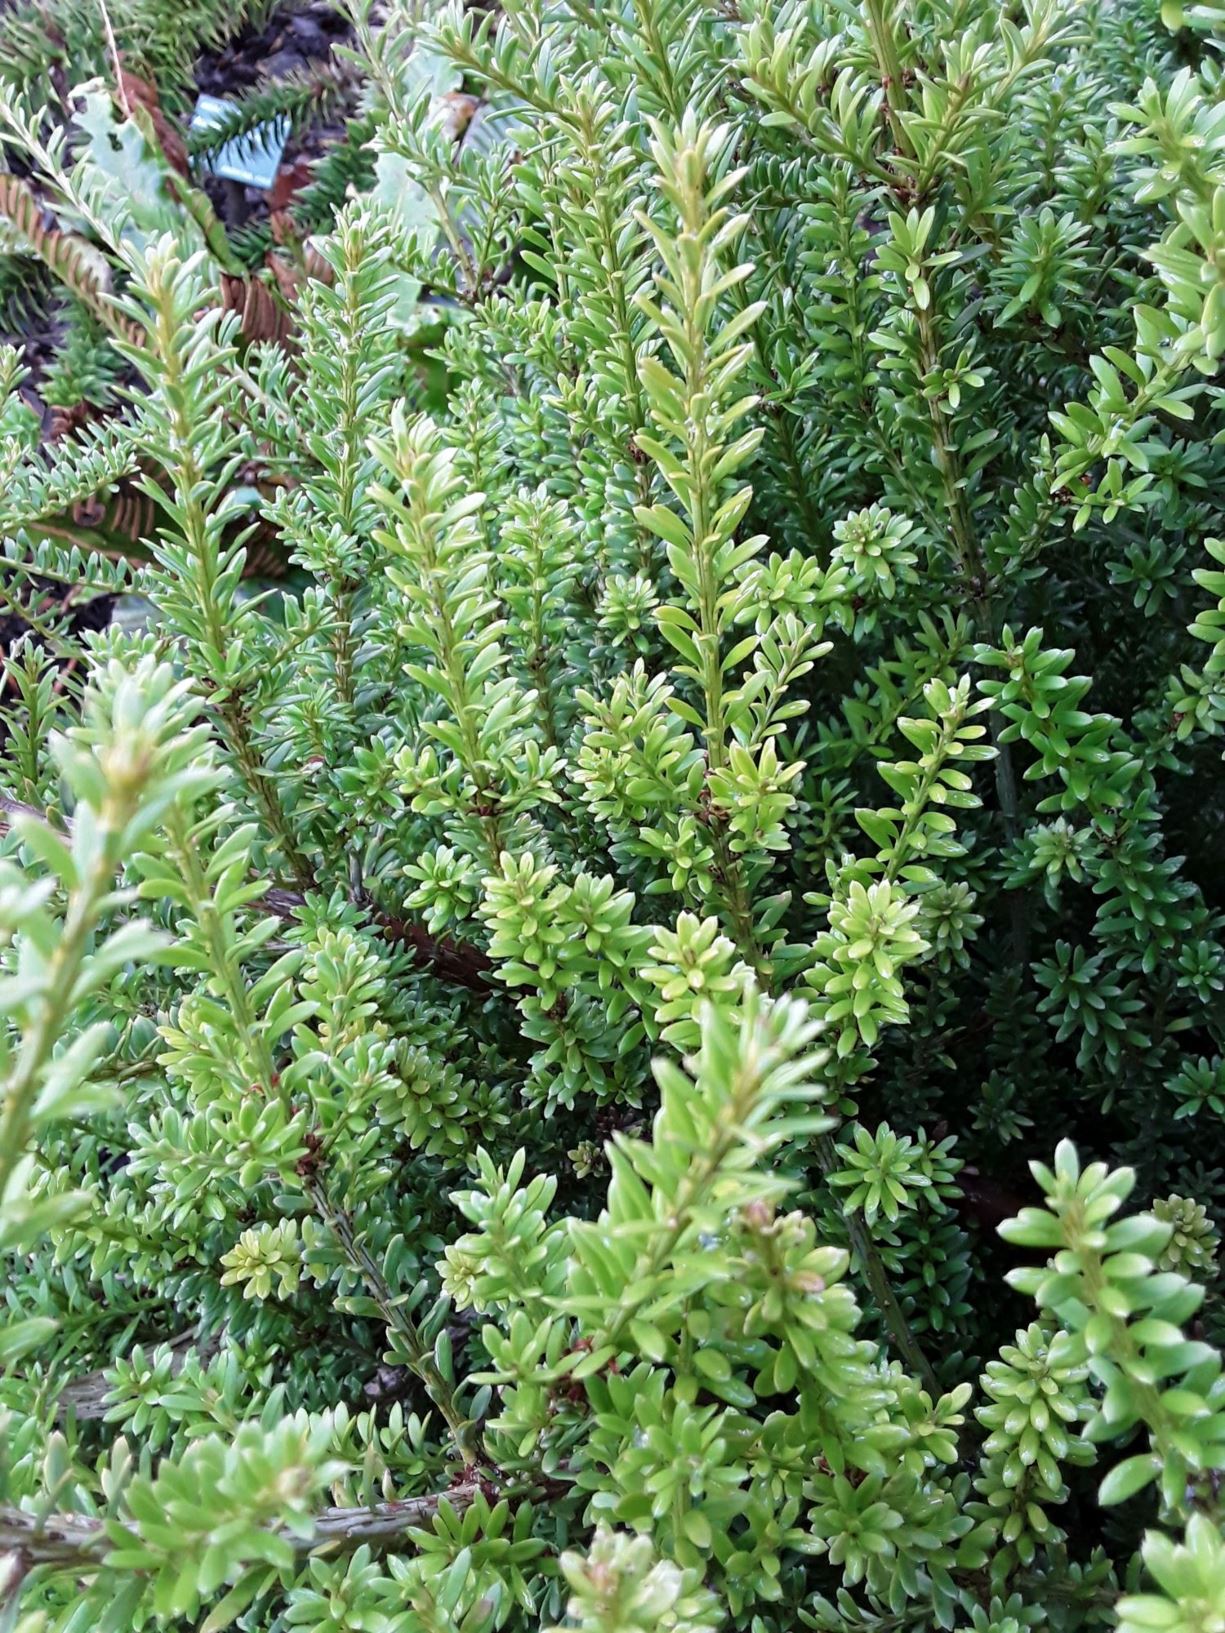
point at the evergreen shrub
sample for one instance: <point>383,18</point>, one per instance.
<point>639,1044</point>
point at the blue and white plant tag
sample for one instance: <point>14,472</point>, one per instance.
<point>252,159</point>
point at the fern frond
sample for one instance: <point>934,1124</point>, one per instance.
<point>250,244</point>
<point>261,315</point>
<point>86,367</point>
<point>347,166</point>
<point>70,474</point>
<point>302,98</point>
<point>72,564</point>
<point>47,46</point>
<point>73,260</point>
<point>25,290</point>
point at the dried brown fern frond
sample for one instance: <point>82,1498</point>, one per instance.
<point>73,260</point>
<point>261,315</point>
<point>118,526</point>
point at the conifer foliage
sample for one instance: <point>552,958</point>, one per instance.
<point>640,1044</point>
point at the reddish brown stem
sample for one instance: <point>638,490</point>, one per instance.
<point>459,963</point>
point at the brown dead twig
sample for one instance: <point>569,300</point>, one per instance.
<point>458,963</point>
<point>81,1542</point>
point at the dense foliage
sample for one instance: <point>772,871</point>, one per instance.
<point>521,1043</point>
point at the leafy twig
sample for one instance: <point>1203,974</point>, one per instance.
<point>81,1542</point>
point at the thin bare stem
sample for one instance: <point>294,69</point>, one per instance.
<point>121,93</point>
<point>872,1267</point>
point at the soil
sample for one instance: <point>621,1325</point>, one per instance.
<point>295,36</point>
<point>57,604</point>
